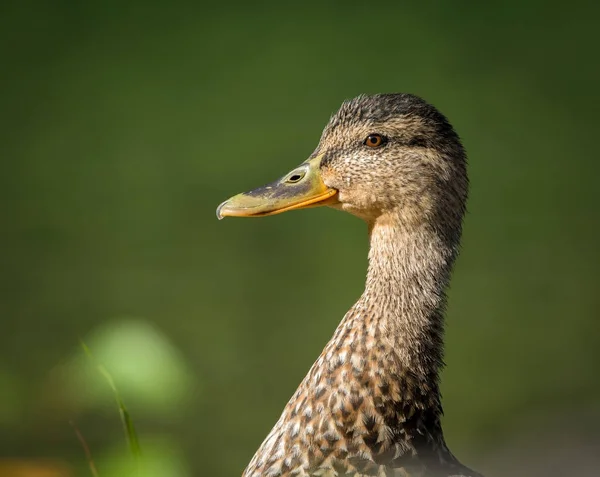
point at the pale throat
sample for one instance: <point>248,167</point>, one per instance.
<point>409,270</point>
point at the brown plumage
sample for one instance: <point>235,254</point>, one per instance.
<point>370,405</point>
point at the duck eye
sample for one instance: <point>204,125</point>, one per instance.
<point>374,140</point>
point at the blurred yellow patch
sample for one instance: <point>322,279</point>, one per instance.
<point>32,468</point>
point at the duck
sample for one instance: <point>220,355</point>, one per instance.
<point>370,405</point>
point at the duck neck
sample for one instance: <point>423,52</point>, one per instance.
<point>405,292</point>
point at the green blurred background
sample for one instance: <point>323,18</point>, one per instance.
<point>124,124</point>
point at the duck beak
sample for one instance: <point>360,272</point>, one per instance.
<point>301,188</point>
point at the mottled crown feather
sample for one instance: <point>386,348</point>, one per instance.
<point>378,108</point>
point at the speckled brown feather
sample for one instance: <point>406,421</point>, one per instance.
<point>370,405</point>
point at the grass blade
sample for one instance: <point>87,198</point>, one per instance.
<point>86,449</point>
<point>128,427</point>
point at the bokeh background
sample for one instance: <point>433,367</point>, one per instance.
<point>124,124</point>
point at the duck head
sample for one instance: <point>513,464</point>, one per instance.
<point>384,155</point>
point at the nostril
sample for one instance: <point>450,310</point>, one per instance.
<point>295,177</point>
